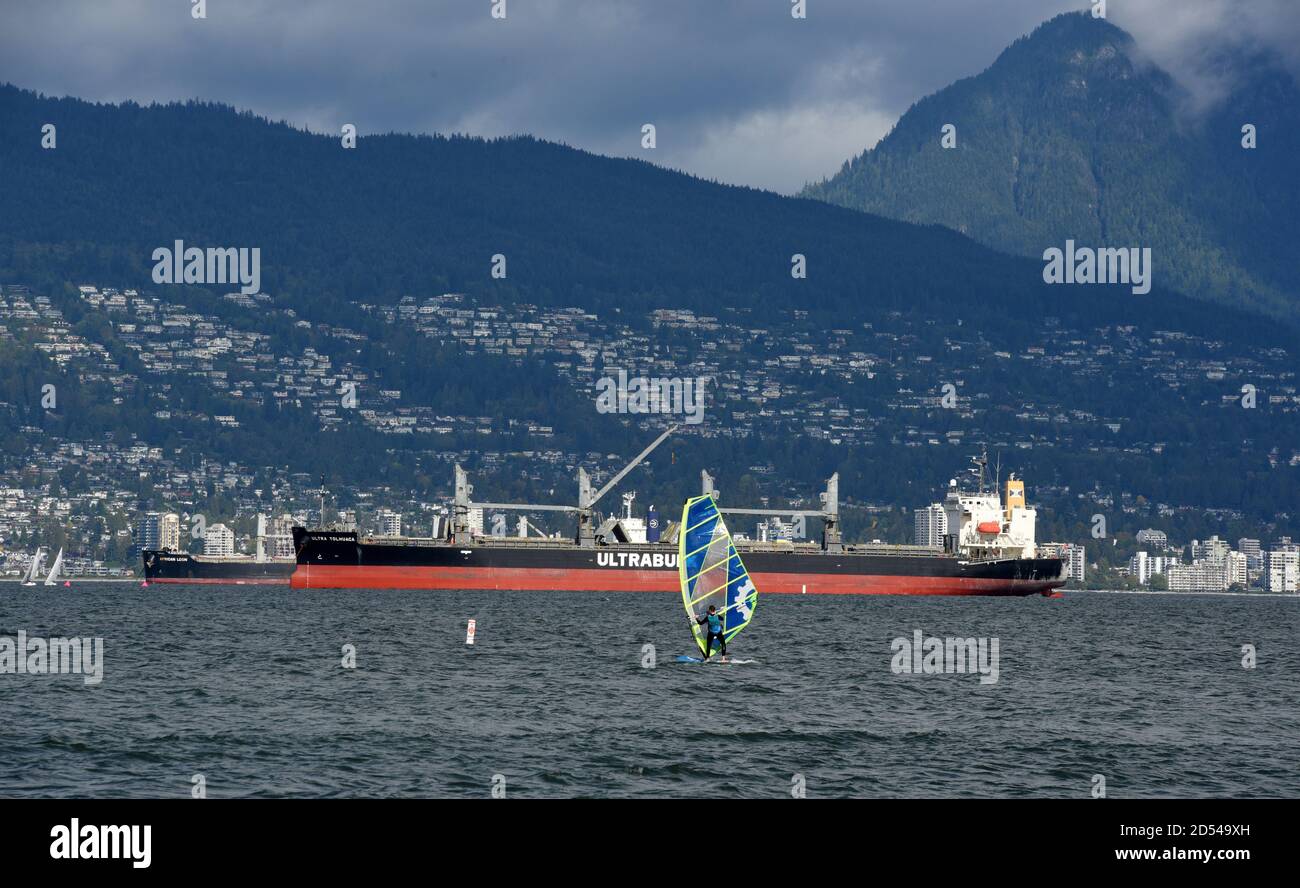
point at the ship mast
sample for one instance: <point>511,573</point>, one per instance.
<point>981,466</point>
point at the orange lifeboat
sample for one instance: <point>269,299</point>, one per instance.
<point>989,527</point>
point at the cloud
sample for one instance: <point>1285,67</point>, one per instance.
<point>738,90</point>
<point>783,149</point>
<point>1186,39</point>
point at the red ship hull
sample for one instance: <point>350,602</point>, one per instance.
<point>578,579</point>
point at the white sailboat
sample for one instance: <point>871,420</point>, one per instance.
<point>32,572</point>
<point>53,576</point>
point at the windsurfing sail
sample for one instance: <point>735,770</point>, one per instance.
<point>53,576</point>
<point>30,579</point>
<point>711,571</point>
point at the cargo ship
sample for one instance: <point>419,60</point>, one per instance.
<point>990,551</point>
<point>233,570</point>
<point>170,566</point>
<point>344,560</point>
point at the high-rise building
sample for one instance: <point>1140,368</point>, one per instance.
<point>219,540</point>
<point>1140,568</point>
<point>1253,552</point>
<point>1074,564</point>
<point>169,532</point>
<point>1282,570</point>
<point>1235,564</point>
<point>148,532</point>
<point>388,523</point>
<point>1199,576</point>
<point>929,525</point>
<point>1213,549</point>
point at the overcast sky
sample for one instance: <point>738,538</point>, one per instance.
<point>738,90</point>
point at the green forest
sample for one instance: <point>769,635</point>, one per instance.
<point>1071,133</point>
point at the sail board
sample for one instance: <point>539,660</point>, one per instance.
<point>711,571</point>
<point>30,579</point>
<point>53,576</point>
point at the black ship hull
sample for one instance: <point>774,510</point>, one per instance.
<point>182,567</point>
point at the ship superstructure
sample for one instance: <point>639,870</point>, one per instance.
<point>981,524</point>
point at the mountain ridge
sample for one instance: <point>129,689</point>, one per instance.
<point>1070,134</point>
<point>405,214</point>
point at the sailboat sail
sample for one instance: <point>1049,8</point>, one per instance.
<point>711,571</point>
<point>53,576</point>
<point>34,570</point>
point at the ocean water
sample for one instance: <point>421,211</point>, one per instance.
<point>244,686</point>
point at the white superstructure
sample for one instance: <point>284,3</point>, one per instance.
<point>986,525</point>
<point>632,526</point>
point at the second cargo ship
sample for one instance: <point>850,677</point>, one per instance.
<point>272,564</point>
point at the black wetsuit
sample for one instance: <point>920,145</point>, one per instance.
<point>712,634</point>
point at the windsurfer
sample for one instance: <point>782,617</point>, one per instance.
<point>715,631</point>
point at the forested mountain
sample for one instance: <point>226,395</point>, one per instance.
<point>1095,389</point>
<point>403,215</point>
<point>1070,134</point>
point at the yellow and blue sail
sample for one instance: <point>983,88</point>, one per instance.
<point>711,571</point>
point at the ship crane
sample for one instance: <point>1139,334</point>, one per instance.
<point>829,513</point>
<point>586,499</point>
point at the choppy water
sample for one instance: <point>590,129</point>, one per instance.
<point>244,686</point>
